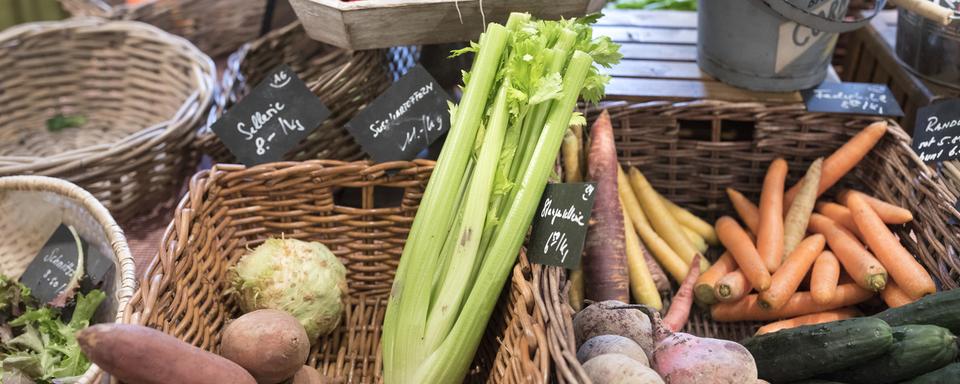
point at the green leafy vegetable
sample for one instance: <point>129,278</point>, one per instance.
<point>677,5</point>
<point>505,134</point>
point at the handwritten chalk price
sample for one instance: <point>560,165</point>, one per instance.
<point>270,121</point>
<point>560,224</point>
<point>852,98</point>
<point>936,134</point>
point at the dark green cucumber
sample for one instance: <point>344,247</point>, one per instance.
<point>941,308</point>
<point>946,375</point>
<point>917,349</point>
<point>812,350</point>
<point>816,381</point>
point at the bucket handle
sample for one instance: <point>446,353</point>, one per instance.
<point>800,15</point>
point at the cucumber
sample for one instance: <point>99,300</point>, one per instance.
<point>917,349</point>
<point>816,381</point>
<point>812,350</point>
<point>941,308</point>
<point>946,375</point>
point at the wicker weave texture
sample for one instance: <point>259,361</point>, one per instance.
<point>344,81</point>
<point>363,212</point>
<point>692,151</point>
<point>216,26</point>
<point>142,92</point>
<point>34,206</point>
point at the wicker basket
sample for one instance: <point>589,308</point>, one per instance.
<point>216,26</point>
<point>33,207</point>
<point>692,151</point>
<point>345,81</point>
<point>142,92</point>
<point>363,213</point>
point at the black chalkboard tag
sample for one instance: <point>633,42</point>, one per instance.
<point>98,270</point>
<point>276,115</point>
<point>936,134</point>
<point>54,273</point>
<point>852,98</point>
<point>560,224</point>
<point>404,120</point>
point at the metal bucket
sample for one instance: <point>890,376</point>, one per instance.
<point>929,49</point>
<point>772,45</point>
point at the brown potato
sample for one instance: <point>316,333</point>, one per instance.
<point>270,344</point>
<point>310,375</point>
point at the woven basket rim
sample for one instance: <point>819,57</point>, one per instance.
<point>190,111</point>
<point>114,234</point>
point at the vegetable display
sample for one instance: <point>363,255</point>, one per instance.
<point>517,104</point>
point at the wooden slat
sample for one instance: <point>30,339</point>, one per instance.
<point>635,89</point>
<point>648,34</point>
<point>666,52</point>
<point>648,19</point>
<point>658,69</point>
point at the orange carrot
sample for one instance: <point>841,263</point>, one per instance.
<point>839,214</point>
<point>865,269</point>
<point>739,245</point>
<point>894,296</point>
<point>814,318</point>
<point>789,276</point>
<point>770,230</point>
<point>679,310</point>
<point>801,303</point>
<point>910,275</point>
<point>889,213</point>
<point>708,280</point>
<point>844,158</point>
<point>824,278</point>
<point>747,210</point>
<point>732,287</point>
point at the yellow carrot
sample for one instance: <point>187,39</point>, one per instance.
<point>691,221</point>
<point>642,286</point>
<point>671,262</point>
<point>661,219</point>
<point>698,242</point>
<point>576,289</point>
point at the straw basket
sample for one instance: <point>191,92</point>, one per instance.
<point>345,81</point>
<point>139,94</point>
<point>216,26</point>
<point>33,207</point>
<point>692,151</point>
<point>363,213</point>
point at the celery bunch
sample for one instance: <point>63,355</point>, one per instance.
<point>517,102</point>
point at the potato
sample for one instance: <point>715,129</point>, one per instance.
<point>614,368</point>
<point>309,375</point>
<point>605,344</point>
<point>270,344</point>
<point>599,319</point>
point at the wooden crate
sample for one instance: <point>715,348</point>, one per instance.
<point>872,57</point>
<point>660,61</point>
<point>372,24</point>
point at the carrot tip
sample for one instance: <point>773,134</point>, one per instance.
<point>877,282</point>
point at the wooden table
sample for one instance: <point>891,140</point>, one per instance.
<point>660,60</point>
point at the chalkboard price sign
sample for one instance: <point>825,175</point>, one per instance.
<point>936,134</point>
<point>852,98</point>
<point>560,224</point>
<point>404,120</point>
<point>56,266</point>
<point>266,124</point>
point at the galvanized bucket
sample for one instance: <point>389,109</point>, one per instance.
<point>772,45</point>
<point>931,49</point>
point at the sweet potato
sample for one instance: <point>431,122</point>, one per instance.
<point>142,355</point>
<point>270,344</point>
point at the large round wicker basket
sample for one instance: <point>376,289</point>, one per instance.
<point>692,151</point>
<point>216,26</point>
<point>33,207</point>
<point>137,96</point>
<point>363,213</point>
<point>345,81</point>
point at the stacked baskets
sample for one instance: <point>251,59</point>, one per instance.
<point>136,96</point>
<point>33,207</point>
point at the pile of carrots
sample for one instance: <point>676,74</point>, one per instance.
<point>843,250</point>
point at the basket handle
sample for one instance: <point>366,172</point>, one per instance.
<point>789,10</point>
<point>927,9</point>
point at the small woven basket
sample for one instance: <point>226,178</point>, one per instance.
<point>33,207</point>
<point>363,213</point>
<point>139,94</point>
<point>692,151</point>
<point>345,81</point>
<point>216,26</point>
